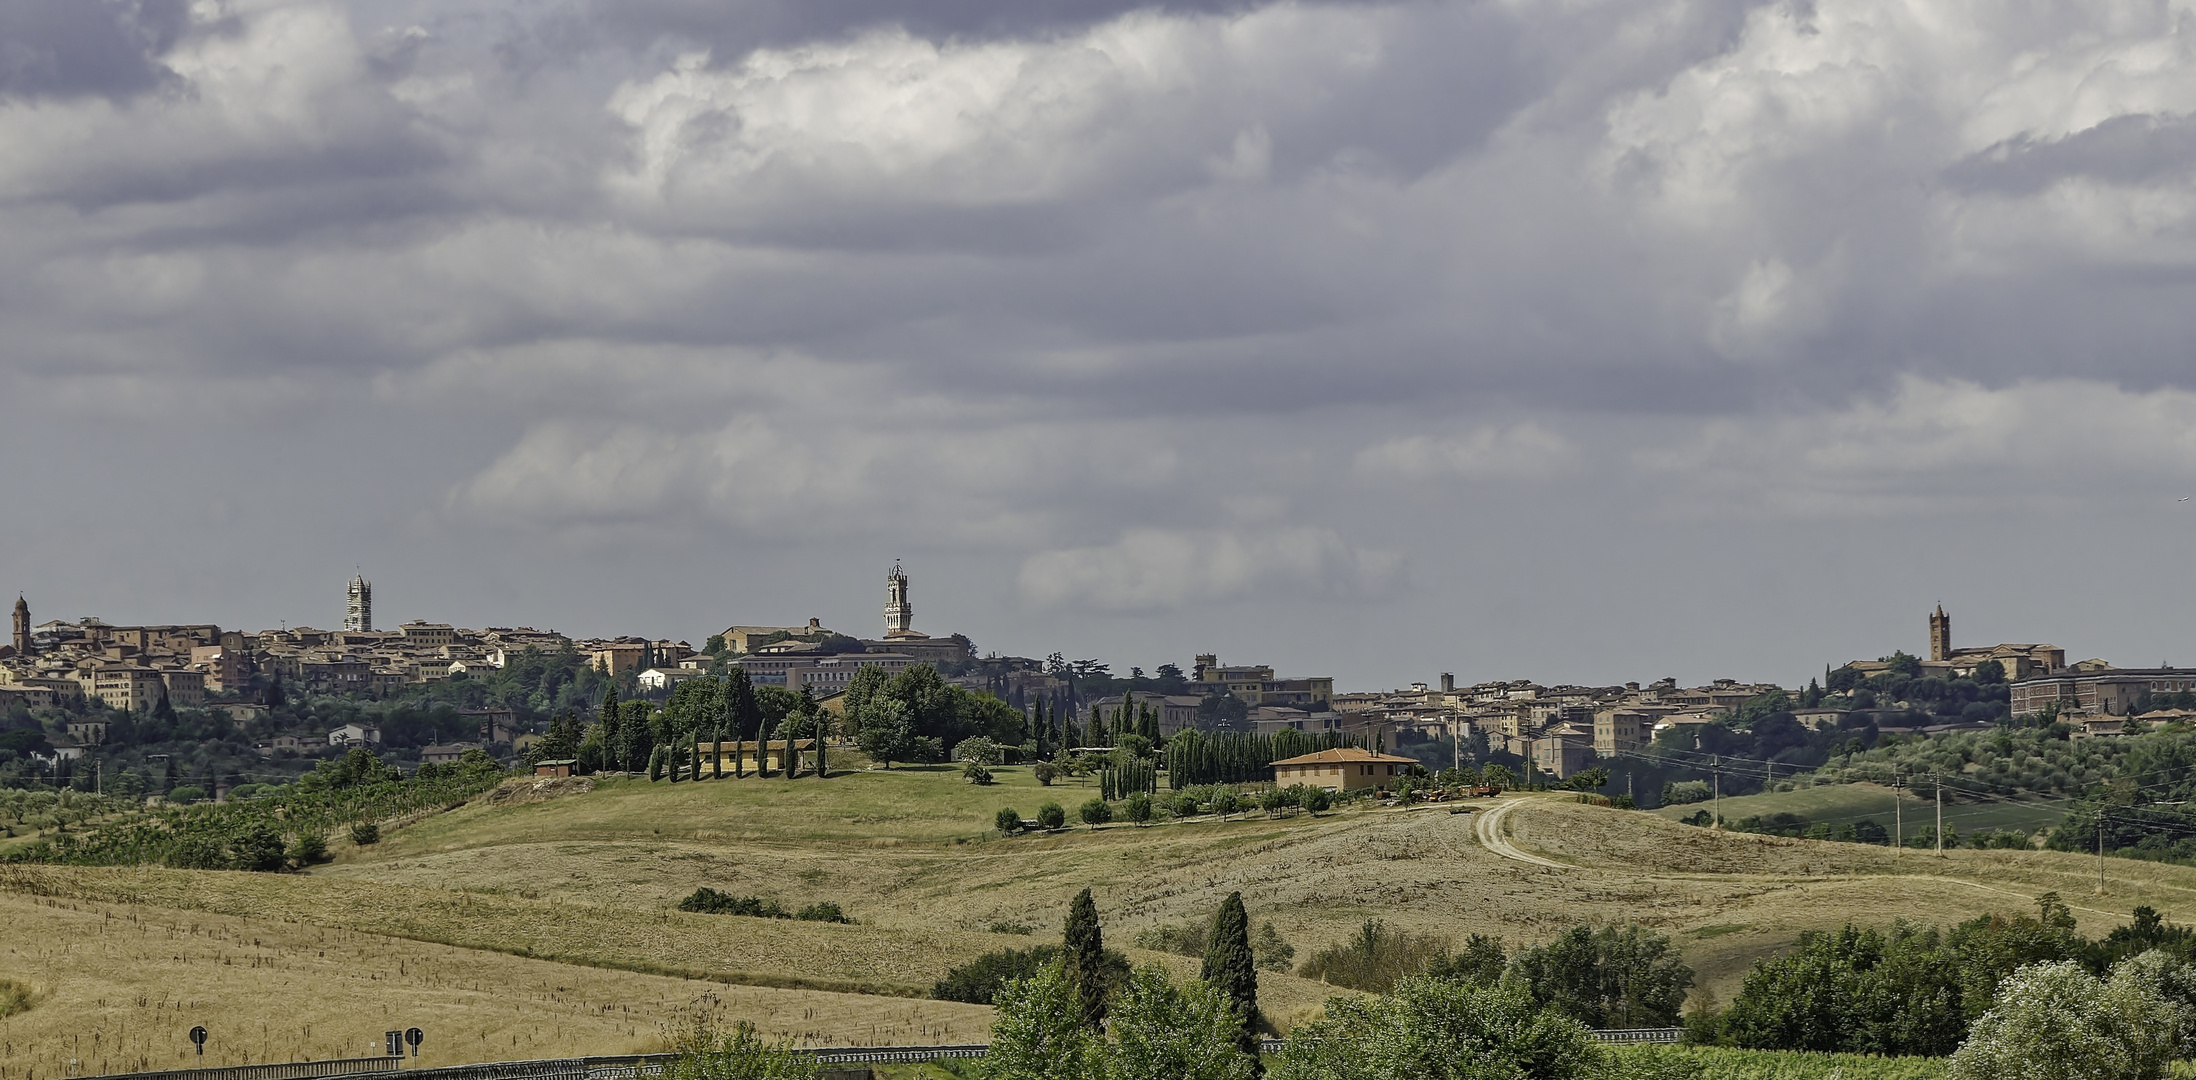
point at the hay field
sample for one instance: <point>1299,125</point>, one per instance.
<point>117,986</point>
<point>578,894</point>
<point>909,851</point>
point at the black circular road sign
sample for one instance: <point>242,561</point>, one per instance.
<point>198,1035</point>
<point>414,1036</point>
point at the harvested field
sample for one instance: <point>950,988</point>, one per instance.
<point>116,986</point>
<point>590,880</point>
<point>1315,878</point>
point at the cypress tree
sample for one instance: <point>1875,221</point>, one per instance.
<point>609,702</point>
<point>1232,970</point>
<point>1085,958</point>
<point>790,727</point>
<point>716,757</point>
<point>695,748</point>
<point>823,721</point>
<point>655,764</point>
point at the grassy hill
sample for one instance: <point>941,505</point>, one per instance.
<point>1845,804</point>
<point>575,897</point>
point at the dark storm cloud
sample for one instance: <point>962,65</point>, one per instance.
<point>69,48</point>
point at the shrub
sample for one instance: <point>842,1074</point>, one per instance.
<point>310,847</point>
<point>976,981</point>
<point>2056,1021</point>
<point>708,1054</point>
<point>1375,958</point>
<point>976,774</point>
<point>822,911</point>
<point>1045,772</point>
<point>1138,808</point>
<point>258,847</point>
<point>1437,1027</point>
<point>15,997</point>
<point>979,750</point>
<point>709,901</point>
<point>1628,978</point>
<point>1225,802</point>
<point>1051,816</point>
<point>187,793</point>
<point>365,833</point>
<point>1096,812</point>
<point>1317,800</point>
<point>1008,821</point>
<point>1156,1030</point>
<point>1686,791</point>
<point>1270,951</point>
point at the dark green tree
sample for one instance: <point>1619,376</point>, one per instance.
<point>1085,960</point>
<point>1231,968</point>
<point>742,710</point>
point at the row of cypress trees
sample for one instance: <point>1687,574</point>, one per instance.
<point>666,760</point>
<point>1056,729</point>
<point>1195,758</point>
<point>1120,780</point>
<point>1230,967</point>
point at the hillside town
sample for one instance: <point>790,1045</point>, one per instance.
<point>70,678</point>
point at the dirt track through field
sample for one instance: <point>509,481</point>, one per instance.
<point>1488,830</point>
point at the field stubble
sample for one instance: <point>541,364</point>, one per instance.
<point>117,986</point>
<point>590,879</point>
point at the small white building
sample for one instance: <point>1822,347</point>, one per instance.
<point>660,679</point>
<point>355,735</point>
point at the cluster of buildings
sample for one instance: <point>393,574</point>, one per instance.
<point>2093,696</point>
<point>1559,730</point>
<point>132,668</point>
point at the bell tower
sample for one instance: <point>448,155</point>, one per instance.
<point>358,609</point>
<point>22,626</point>
<point>1940,635</point>
<point>899,614</point>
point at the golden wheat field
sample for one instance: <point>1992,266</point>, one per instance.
<point>550,928</point>
<point>116,986</point>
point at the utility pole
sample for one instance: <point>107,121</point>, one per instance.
<point>1898,814</point>
<point>1937,782</point>
<point>1715,770</point>
<point>2100,851</point>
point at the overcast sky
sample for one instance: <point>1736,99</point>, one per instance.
<point>1575,340</point>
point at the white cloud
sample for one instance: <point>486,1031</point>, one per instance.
<point>1162,569</point>
<point>1936,445</point>
<point>1522,451</point>
<point>888,117</point>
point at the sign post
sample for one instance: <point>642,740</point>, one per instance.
<point>415,1037</point>
<point>198,1035</point>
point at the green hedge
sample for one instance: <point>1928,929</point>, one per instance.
<point>1723,1063</point>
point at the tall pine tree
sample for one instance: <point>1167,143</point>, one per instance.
<point>1232,970</point>
<point>1085,958</point>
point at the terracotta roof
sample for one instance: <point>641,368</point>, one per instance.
<point>1342,754</point>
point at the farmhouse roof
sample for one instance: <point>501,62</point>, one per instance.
<point>1342,754</point>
